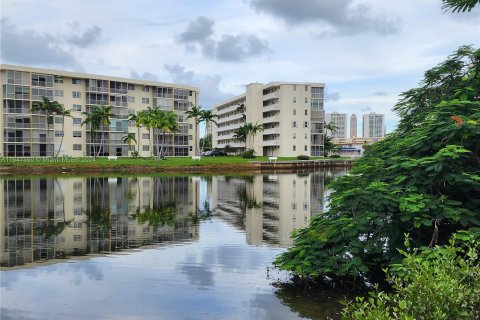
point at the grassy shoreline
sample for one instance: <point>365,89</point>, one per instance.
<point>10,166</point>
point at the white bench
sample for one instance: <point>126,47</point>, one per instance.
<point>196,158</point>
<point>270,159</point>
<point>112,158</point>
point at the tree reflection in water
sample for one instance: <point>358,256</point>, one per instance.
<point>157,218</point>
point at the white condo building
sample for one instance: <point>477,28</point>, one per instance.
<point>373,125</point>
<point>353,126</point>
<point>24,133</point>
<point>339,121</point>
<point>292,116</point>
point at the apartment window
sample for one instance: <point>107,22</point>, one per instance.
<point>77,134</point>
<point>294,136</point>
<point>294,206</point>
<point>58,93</point>
<point>294,99</point>
<point>77,237</point>
<point>306,112</point>
<point>77,185</point>
<point>77,146</point>
<point>58,80</point>
<point>58,133</point>
<point>294,112</point>
<point>145,135</point>
<point>77,107</point>
<point>306,100</point>
<point>190,126</point>
<point>77,211</point>
<point>306,136</point>
<point>306,148</point>
<point>145,89</point>
<point>130,99</point>
<point>76,81</point>
<point>146,100</point>
<point>305,124</point>
<point>58,119</point>
<point>294,148</point>
<point>77,224</point>
<point>146,148</point>
<point>294,124</point>
<point>77,121</point>
<point>190,93</point>
<point>294,87</point>
<point>76,94</point>
<point>306,88</point>
<point>191,148</point>
<point>131,87</point>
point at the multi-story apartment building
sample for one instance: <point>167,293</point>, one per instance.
<point>373,125</point>
<point>353,126</point>
<point>26,133</point>
<point>292,116</point>
<point>339,121</point>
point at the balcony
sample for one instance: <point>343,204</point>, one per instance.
<point>275,130</point>
<point>272,107</point>
<point>119,103</point>
<point>97,89</point>
<point>118,91</point>
<point>271,119</point>
<point>97,102</point>
<point>269,143</point>
<point>271,95</point>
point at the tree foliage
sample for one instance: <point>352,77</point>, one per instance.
<point>442,283</point>
<point>459,5</point>
<point>423,179</point>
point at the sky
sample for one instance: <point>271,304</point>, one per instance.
<point>366,52</point>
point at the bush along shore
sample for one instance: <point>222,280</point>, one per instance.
<point>168,165</point>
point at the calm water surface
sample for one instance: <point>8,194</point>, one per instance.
<point>183,247</point>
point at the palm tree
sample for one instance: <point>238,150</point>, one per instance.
<point>136,118</point>
<point>207,116</point>
<point>241,134</point>
<point>253,129</point>
<point>48,107</point>
<point>165,122</point>
<point>64,113</point>
<point>99,115</point>
<point>242,108</point>
<point>145,120</point>
<point>195,113</point>
<point>129,138</point>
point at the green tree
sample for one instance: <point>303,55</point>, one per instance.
<point>166,123</point>
<point>207,116</point>
<point>145,120</point>
<point>60,110</point>
<point>97,117</point>
<point>423,179</point>
<point>196,114</point>
<point>206,142</point>
<point>253,129</point>
<point>48,108</point>
<point>135,118</point>
<point>241,134</point>
<point>459,5</point>
<point>129,138</point>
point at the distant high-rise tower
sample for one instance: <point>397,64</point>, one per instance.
<point>353,126</point>
<point>339,120</point>
<point>373,125</point>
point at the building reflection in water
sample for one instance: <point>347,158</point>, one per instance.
<point>51,218</point>
<point>269,207</point>
<point>43,219</point>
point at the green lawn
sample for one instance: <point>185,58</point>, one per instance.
<point>170,161</point>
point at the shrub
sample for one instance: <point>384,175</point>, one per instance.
<point>303,157</point>
<point>438,283</point>
<point>335,156</point>
<point>134,154</point>
<point>249,154</point>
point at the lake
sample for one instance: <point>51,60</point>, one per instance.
<point>156,247</point>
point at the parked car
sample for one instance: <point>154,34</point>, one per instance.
<point>216,153</point>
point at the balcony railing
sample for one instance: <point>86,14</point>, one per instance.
<point>118,91</point>
<point>97,102</point>
<point>271,131</point>
<point>271,95</point>
<point>271,107</point>
<point>274,142</point>
<point>97,89</point>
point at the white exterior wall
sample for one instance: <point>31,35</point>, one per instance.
<point>373,125</point>
<point>123,109</point>
<point>284,109</point>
